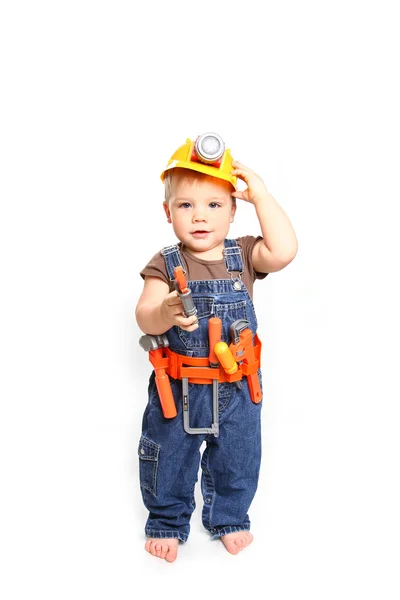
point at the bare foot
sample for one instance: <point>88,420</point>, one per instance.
<point>163,548</point>
<point>235,542</point>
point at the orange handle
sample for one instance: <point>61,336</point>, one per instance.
<point>214,336</point>
<point>254,388</point>
<point>181,279</point>
<point>165,393</point>
<point>225,357</point>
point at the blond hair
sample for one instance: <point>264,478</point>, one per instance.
<point>181,175</point>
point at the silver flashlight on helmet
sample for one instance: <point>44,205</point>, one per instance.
<point>209,148</point>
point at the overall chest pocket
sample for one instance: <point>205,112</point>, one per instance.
<point>206,308</point>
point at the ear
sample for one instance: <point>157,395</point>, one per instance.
<point>233,209</point>
<point>167,212</point>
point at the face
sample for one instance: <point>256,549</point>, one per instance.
<point>201,213</point>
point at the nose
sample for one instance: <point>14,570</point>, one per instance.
<point>199,215</point>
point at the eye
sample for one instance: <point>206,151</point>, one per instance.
<point>214,205</point>
<point>184,205</point>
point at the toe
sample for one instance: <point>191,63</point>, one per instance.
<point>231,545</point>
<point>241,543</point>
<point>247,539</point>
<point>164,550</point>
<point>153,548</point>
<point>235,542</point>
<point>171,553</point>
<point>234,548</point>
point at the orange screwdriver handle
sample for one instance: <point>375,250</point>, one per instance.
<point>214,336</point>
<point>225,357</point>
<point>180,279</point>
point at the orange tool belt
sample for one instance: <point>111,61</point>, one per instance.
<point>198,370</point>
<point>179,366</point>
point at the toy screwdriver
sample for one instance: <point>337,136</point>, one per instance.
<point>184,293</point>
<point>225,357</point>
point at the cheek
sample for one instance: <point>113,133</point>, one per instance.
<point>227,217</point>
<point>178,219</point>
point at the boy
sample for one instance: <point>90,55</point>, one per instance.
<point>200,203</point>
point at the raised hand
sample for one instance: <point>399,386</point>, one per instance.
<point>256,190</point>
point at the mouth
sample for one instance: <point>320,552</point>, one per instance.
<point>200,233</point>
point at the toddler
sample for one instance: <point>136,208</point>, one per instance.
<point>200,183</point>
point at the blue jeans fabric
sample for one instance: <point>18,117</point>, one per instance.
<point>169,458</point>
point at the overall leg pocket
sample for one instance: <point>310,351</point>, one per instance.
<point>148,452</point>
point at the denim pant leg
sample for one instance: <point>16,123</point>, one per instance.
<point>231,466</point>
<point>169,464</point>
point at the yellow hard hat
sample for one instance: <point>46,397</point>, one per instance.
<point>206,154</point>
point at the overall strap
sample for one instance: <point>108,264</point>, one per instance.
<point>173,259</point>
<point>233,256</point>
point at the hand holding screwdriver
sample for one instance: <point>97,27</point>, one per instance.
<point>184,293</point>
<point>172,313</point>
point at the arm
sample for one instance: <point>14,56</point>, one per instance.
<point>158,310</point>
<point>279,244</point>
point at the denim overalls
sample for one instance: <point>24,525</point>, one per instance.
<point>169,457</point>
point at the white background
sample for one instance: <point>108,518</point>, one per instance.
<point>95,98</point>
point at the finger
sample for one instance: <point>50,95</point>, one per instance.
<point>172,296</point>
<point>186,321</point>
<point>191,327</point>
<point>242,173</point>
<point>174,302</point>
<point>238,165</point>
<point>177,309</point>
<point>239,195</point>
<point>242,196</point>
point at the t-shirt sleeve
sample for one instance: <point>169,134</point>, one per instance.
<point>247,244</point>
<point>156,268</point>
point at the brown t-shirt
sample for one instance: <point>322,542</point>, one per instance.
<point>198,269</point>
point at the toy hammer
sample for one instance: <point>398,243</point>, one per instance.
<point>154,345</point>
